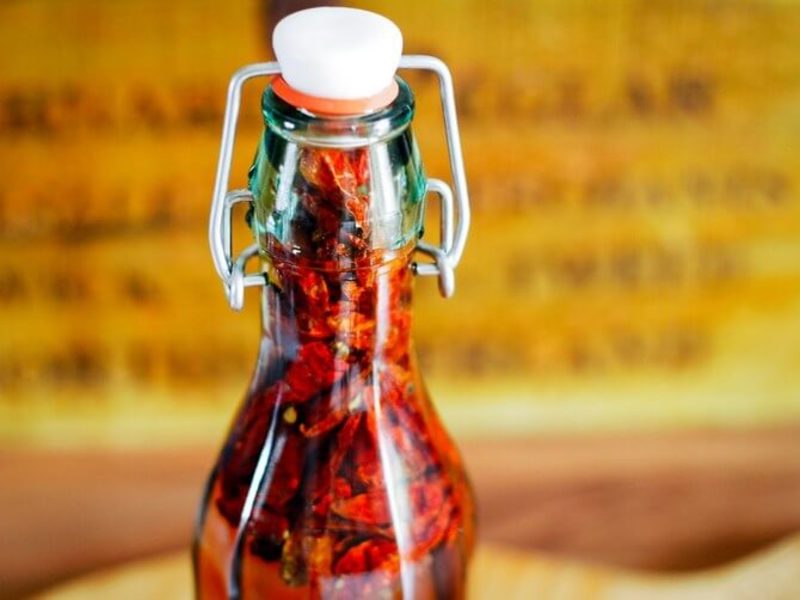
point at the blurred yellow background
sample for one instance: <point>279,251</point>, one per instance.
<point>633,267</point>
<point>633,261</point>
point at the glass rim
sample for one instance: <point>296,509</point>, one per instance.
<point>306,128</point>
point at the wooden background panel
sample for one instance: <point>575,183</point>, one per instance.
<point>671,502</point>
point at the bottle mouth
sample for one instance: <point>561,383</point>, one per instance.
<point>299,119</point>
<point>334,106</point>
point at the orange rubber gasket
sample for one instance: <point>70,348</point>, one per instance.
<point>329,106</point>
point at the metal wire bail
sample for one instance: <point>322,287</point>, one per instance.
<point>448,254</point>
<point>454,219</point>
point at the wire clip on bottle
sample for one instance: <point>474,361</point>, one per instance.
<point>454,208</point>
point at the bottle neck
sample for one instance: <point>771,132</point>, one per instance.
<point>341,191</point>
<point>356,318</point>
<point>338,209</point>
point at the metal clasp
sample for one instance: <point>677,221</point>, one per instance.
<point>445,257</point>
<point>442,265</point>
<point>452,240</point>
<point>232,272</point>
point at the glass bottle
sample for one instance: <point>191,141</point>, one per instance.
<point>337,479</point>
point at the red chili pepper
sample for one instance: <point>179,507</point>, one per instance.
<point>315,369</point>
<point>370,508</point>
<point>344,406</point>
<point>327,414</point>
<point>371,554</point>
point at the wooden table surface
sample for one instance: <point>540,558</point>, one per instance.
<point>666,503</point>
<point>498,573</point>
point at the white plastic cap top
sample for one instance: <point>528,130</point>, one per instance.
<point>337,53</point>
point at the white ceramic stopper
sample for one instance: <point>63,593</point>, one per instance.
<point>337,53</point>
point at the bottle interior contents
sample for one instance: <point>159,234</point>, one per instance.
<point>337,479</point>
